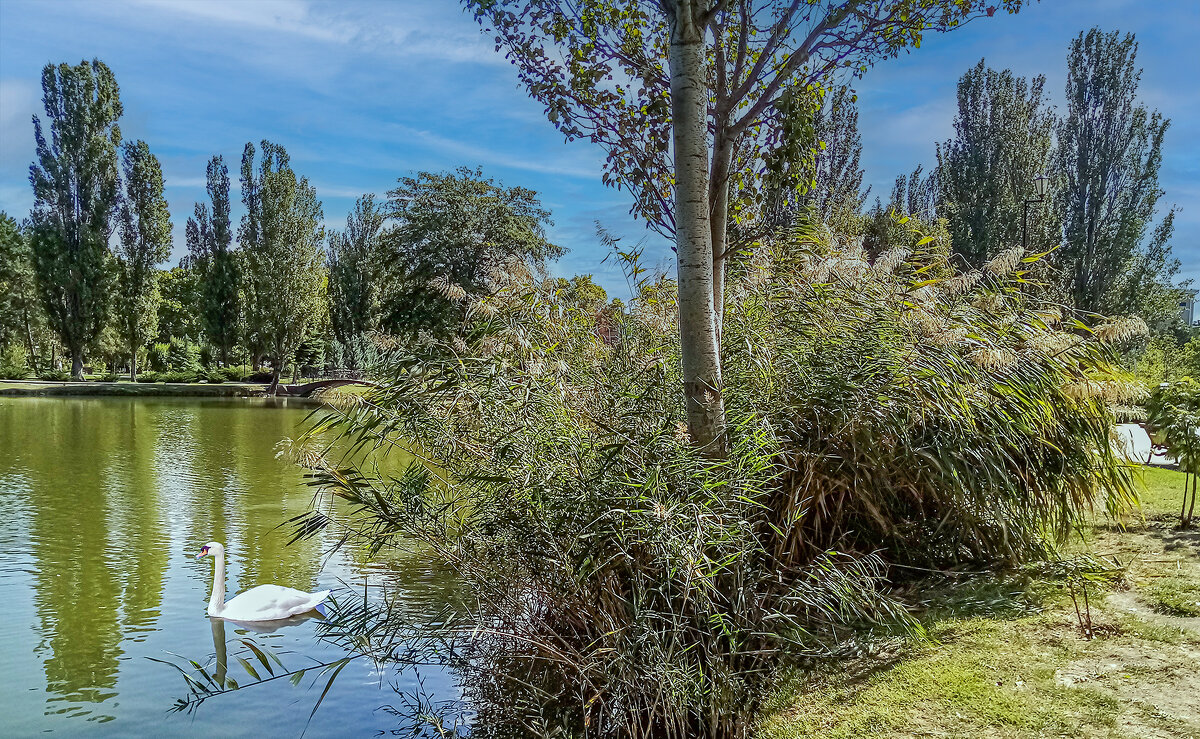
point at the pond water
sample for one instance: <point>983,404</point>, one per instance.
<point>103,504</point>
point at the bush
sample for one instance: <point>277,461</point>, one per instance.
<point>156,357</point>
<point>55,376</point>
<point>183,355</point>
<point>217,375</point>
<point>181,376</point>
<point>14,361</point>
<point>258,377</point>
<point>150,376</point>
<point>1173,414</point>
<point>881,414</point>
<point>108,377</point>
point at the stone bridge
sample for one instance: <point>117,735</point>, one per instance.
<point>306,390</point>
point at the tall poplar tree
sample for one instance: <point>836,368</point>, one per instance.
<point>1109,154</point>
<point>355,258</point>
<point>985,173</point>
<point>75,188</point>
<point>284,259</point>
<point>21,318</point>
<point>145,242</point>
<point>250,240</point>
<point>837,182</point>
<point>210,240</point>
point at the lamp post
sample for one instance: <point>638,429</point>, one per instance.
<point>1040,184</point>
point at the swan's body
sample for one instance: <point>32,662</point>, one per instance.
<point>263,603</point>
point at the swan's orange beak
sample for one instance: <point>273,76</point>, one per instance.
<point>203,551</point>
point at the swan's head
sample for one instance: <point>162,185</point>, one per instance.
<point>213,548</point>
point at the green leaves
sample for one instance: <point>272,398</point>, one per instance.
<point>76,190</point>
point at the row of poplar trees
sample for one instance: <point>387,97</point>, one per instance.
<point>89,185</point>
<point>1101,156</point>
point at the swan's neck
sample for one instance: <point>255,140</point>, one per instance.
<point>216,603</point>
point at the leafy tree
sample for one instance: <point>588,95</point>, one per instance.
<point>22,321</point>
<point>145,242</point>
<point>837,182</point>
<point>985,173</point>
<point>75,188</point>
<point>457,235</point>
<point>283,253</point>
<point>355,257</point>
<point>254,306</point>
<point>1109,154</point>
<point>1173,411</point>
<point>210,243</point>
<point>693,99</point>
<point>582,292</point>
<point>178,301</point>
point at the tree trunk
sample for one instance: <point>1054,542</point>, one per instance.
<point>273,388</point>
<point>33,360</point>
<point>77,364</point>
<point>722,163</point>
<point>693,236</point>
<point>133,364</point>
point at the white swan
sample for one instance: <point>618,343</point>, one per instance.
<point>264,603</point>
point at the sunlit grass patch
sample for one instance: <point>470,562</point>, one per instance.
<point>1163,492</point>
<point>1175,596</point>
<point>979,676</point>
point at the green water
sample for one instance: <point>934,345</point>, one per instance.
<point>103,503</point>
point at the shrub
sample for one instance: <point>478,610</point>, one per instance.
<point>1173,414</point>
<point>883,415</point>
<point>156,356</point>
<point>216,375</point>
<point>183,355</point>
<point>108,377</point>
<point>180,376</point>
<point>150,376</point>
<point>13,373</point>
<point>55,376</point>
<point>14,361</point>
<point>258,377</point>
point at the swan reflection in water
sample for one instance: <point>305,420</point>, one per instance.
<point>258,627</point>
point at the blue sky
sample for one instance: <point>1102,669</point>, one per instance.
<point>361,93</point>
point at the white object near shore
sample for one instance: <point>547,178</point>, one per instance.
<point>1133,443</point>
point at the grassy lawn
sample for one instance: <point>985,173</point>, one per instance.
<point>1006,658</point>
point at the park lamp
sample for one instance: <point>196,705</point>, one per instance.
<point>1041,184</point>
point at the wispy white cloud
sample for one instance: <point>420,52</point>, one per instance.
<point>18,103</point>
<point>568,165</point>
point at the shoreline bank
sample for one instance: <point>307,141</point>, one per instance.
<point>27,388</point>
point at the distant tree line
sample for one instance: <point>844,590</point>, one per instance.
<point>84,274</point>
<point>1100,158</point>
<point>84,271</point>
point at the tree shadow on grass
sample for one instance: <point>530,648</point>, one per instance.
<point>1176,539</point>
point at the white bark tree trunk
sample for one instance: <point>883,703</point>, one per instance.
<point>693,236</point>
<point>722,165</point>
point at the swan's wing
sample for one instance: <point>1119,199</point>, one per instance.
<point>270,602</point>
